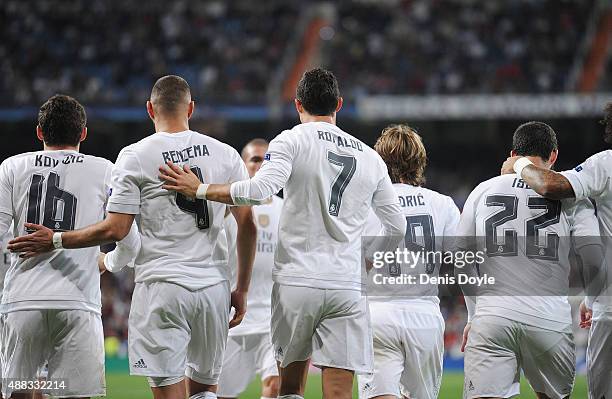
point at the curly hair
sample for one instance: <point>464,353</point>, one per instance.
<point>62,119</point>
<point>318,92</point>
<point>404,153</point>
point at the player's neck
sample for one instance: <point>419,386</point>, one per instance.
<point>306,118</point>
<point>537,161</point>
<point>171,126</point>
<point>60,148</point>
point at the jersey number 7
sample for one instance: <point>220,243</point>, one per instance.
<point>348,164</point>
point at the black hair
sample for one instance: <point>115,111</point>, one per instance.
<point>318,92</point>
<point>169,92</point>
<point>62,119</point>
<point>534,139</point>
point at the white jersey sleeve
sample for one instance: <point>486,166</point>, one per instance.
<point>125,252</point>
<point>451,226</point>
<point>125,181</point>
<point>591,178</point>
<point>466,229</point>
<point>6,189</point>
<point>271,177</point>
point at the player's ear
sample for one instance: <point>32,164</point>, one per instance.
<point>190,109</point>
<point>553,157</point>
<point>83,135</point>
<point>39,133</point>
<point>512,153</point>
<point>150,110</point>
<point>298,106</point>
<point>340,102</point>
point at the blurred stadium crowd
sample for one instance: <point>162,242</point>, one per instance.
<point>110,52</point>
<point>445,47</point>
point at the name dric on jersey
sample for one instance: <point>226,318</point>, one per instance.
<point>194,151</point>
<point>411,200</point>
<point>48,162</point>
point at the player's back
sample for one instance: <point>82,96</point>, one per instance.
<point>327,199</point>
<point>62,190</point>
<point>431,224</point>
<point>183,241</point>
<point>527,241</point>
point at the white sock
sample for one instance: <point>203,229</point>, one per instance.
<point>290,397</point>
<point>265,397</point>
<point>204,395</point>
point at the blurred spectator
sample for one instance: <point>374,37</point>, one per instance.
<point>456,46</point>
<point>112,51</point>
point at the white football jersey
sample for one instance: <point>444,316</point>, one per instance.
<point>259,300</point>
<point>183,241</point>
<point>527,241</point>
<point>432,220</point>
<point>5,260</point>
<point>593,179</point>
<point>332,181</point>
<point>63,190</point>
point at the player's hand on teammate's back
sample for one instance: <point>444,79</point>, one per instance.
<point>239,303</point>
<point>33,244</point>
<point>101,265</point>
<point>586,316</point>
<point>508,166</point>
<point>182,180</point>
<point>466,332</point>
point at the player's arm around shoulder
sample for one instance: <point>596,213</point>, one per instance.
<point>546,182</point>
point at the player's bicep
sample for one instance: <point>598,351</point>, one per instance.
<point>125,185</point>
<point>452,225</point>
<point>591,178</point>
<point>466,228</point>
<point>584,224</point>
<point>6,189</point>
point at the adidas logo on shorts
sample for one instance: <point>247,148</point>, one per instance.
<point>470,386</point>
<point>140,364</point>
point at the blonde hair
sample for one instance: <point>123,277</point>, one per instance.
<point>404,153</point>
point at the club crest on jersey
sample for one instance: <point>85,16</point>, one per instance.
<point>263,220</point>
<point>267,156</point>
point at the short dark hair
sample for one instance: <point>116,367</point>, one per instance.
<point>607,121</point>
<point>169,92</point>
<point>318,92</point>
<point>259,142</point>
<point>534,139</point>
<point>62,119</point>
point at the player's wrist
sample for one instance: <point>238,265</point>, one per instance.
<point>57,241</point>
<point>201,191</point>
<point>521,164</point>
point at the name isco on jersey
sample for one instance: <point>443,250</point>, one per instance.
<point>340,141</point>
<point>47,162</point>
<point>185,154</point>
